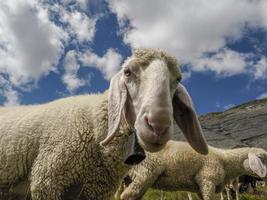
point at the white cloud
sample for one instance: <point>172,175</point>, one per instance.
<point>79,24</point>
<point>80,3</point>
<point>225,62</point>
<point>30,44</point>
<point>109,64</point>
<point>217,104</point>
<point>70,77</point>
<point>186,75</point>
<point>260,69</point>
<point>191,29</point>
<point>262,96</point>
<point>12,97</point>
<point>33,39</point>
<point>226,107</point>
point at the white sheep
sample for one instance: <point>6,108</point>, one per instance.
<point>81,141</point>
<point>178,167</point>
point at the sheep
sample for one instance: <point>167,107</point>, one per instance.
<point>178,167</point>
<point>82,141</point>
<point>241,185</point>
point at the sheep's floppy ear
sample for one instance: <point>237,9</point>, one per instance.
<point>186,118</point>
<point>116,101</point>
<point>256,165</point>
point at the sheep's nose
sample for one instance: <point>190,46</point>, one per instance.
<point>159,120</point>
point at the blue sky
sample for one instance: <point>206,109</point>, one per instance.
<point>52,49</point>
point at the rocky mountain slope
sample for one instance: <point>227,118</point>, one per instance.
<point>243,125</point>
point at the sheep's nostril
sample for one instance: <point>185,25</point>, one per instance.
<point>148,123</point>
<point>159,124</point>
<point>146,119</point>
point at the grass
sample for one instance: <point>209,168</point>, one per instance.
<point>158,195</point>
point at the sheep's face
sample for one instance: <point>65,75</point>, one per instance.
<point>152,96</point>
<point>151,88</point>
<point>256,162</point>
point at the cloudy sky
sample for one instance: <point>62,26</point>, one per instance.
<point>51,49</point>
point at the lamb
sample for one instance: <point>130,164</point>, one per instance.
<point>178,167</point>
<point>241,185</point>
<point>81,141</point>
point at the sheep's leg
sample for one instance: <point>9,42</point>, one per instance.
<point>229,196</point>
<point>49,177</point>
<point>207,189</point>
<point>254,186</point>
<point>47,184</point>
<point>237,193</point>
<point>235,186</point>
<point>48,190</point>
<point>119,191</point>
<point>94,192</point>
<point>221,194</point>
<point>142,180</point>
<point>138,188</point>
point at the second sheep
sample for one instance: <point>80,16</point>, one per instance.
<point>178,168</point>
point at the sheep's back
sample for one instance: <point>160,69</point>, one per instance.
<point>181,165</point>
<point>23,129</point>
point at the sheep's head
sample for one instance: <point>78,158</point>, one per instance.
<point>256,162</point>
<point>148,92</point>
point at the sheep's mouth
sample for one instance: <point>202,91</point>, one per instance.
<point>149,139</point>
<point>151,147</point>
<point>148,135</point>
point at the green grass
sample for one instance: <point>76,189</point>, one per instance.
<point>156,195</point>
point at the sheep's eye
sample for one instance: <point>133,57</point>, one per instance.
<point>127,72</point>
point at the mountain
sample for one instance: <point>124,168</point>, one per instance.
<point>239,126</point>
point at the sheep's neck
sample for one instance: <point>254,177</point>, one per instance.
<point>233,162</point>
<point>114,151</point>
